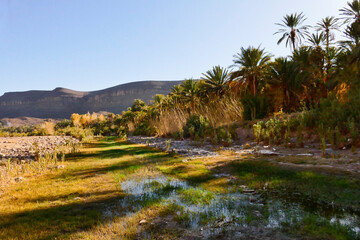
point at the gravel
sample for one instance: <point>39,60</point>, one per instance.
<point>23,147</point>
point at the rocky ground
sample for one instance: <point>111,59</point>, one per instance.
<point>308,156</point>
<point>24,147</point>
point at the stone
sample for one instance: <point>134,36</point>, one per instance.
<point>18,179</point>
<point>143,221</point>
<point>268,153</point>
<point>330,152</point>
<point>251,199</point>
<point>248,191</point>
<point>258,214</point>
<point>60,167</point>
<point>304,154</point>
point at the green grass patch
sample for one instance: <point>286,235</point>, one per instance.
<point>196,196</point>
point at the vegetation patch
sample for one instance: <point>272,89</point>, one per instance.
<point>196,196</point>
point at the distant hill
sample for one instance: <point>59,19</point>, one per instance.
<point>62,102</point>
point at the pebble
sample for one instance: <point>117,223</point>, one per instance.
<point>248,191</point>
<point>143,221</point>
<point>60,167</point>
<point>18,179</point>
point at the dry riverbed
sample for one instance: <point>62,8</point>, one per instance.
<point>310,156</point>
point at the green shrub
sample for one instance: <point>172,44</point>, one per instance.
<point>255,107</point>
<point>76,132</point>
<point>144,128</point>
<point>63,124</point>
<point>196,124</point>
<point>331,120</point>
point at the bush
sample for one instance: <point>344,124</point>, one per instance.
<point>198,125</point>
<point>254,107</point>
<point>332,121</point>
<point>144,128</point>
<point>62,124</point>
<point>76,132</point>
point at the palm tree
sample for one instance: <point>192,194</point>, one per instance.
<point>216,81</point>
<point>310,64</point>
<point>176,94</point>
<point>292,29</point>
<point>352,15</point>
<point>251,63</point>
<point>283,75</point>
<point>326,26</point>
<point>352,12</point>
<point>316,40</point>
<point>190,92</point>
<point>158,99</point>
<point>352,33</point>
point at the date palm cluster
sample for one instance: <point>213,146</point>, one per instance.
<point>317,67</point>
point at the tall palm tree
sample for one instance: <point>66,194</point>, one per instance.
<point>292,29</point>
<point>326,26</point>
<point>251,63</point>
<point>216,81</point>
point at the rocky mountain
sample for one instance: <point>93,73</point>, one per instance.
<point>62,102</point>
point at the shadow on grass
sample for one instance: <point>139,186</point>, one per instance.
<point>65,221</point>
<point>53,222</point>
<point>62,222</point>
<point>117,150</point>
<point>128,166</point>
<point>64,197</point>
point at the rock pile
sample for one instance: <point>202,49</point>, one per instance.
<point>182,147</point>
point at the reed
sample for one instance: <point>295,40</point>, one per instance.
<point>220,113</point>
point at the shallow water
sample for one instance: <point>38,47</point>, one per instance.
<point>233,211</point>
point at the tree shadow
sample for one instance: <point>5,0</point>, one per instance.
<point>124,148</point>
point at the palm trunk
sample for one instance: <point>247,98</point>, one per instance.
<point>293,46</point>
<point>254,85</point>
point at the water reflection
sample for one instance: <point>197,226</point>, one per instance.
<point>233,211</point>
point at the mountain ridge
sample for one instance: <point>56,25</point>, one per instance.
<point>62,102</point>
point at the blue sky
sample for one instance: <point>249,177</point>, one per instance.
<point>90,45</point>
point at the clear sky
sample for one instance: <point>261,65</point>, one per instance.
<point>90,45</point>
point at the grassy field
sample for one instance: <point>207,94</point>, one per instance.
<point>85,200</point>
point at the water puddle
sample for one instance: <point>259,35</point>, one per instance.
<point>210,214</point>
